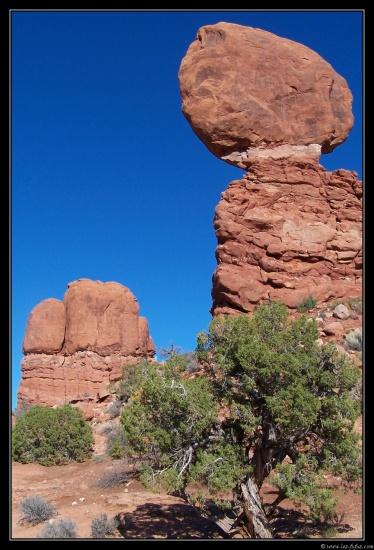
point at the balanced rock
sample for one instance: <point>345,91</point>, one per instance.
<point>288,229</point>
<point>76,347</point>
<point>250,94</point>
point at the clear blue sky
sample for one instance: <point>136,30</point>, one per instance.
<point>108,180</point>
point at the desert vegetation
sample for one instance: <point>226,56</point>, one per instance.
<point>63,529</point>
<point>259,399</point>
<point>271,403</point>
<point>51,436</point>
<point>103,527</point>
<point>36,509</point>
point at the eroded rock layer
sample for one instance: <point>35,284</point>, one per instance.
<point>74,348</point>
<point>286,231</point>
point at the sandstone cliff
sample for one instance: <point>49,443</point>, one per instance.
<point>286,231</point>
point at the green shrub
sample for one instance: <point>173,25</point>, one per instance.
<point>307,304</point>
<point>51,436</point>
<point>103,527</point>
<point>64,529</point>
<point>288,413</point>
<point>37,509</point>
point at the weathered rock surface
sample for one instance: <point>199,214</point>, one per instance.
<point>288,229</point>
<point>76,347</point>
<point>248,93</point>
<point>285,231</point>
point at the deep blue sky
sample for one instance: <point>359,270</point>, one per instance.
<point>108,180</point>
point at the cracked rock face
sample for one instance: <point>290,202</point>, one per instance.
<point>75,347</point>
<point>247,93</point>
<point>287,230</point>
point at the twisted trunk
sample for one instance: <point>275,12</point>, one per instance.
<point>256,522</point>
<point>249,517</point>
<point>251,520</point>
<point>253,517</point>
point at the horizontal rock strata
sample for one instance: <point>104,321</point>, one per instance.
<point>76,347</point>
<point>285,231</point>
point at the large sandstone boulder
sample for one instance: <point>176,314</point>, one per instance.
<point>76,347</point>
<point>248,93</point>
<point>45,331</point>
<point>102,317</point>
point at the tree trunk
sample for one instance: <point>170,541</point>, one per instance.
<point>252,517</point>
<point>256,522</point>
<point>251,520</point>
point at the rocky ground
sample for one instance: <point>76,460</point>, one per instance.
<point>74,489</point>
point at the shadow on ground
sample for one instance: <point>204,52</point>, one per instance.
<point>177,521</point>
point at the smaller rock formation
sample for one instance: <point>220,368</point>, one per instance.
<point>73,349</point>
